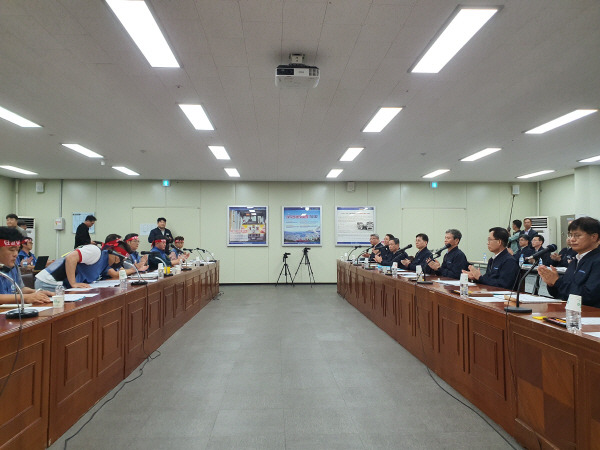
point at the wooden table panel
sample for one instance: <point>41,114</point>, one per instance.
<point>135,331</point>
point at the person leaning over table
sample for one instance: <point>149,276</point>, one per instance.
<point>454,261</point>
<point>395,255</point>
<point>77,269</point>
<point>421,257</point>
<point>502,269</point>
<point>10,240</point>
<point>583,272</point>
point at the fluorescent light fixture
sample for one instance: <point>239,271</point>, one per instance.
<point>381,119</point>
<point>16,169</point>
<point>463,26</point>
<point>84,151</point>
<point>481,154</point>
<point>536,174</point>
<point>334,173</point>
<point>196,115</point>
<point>351,153</point>
<point>232,172</point>
<point>435,173</point>
<point>219,152</point>
<point>562,120</point>
<point>592,159</point>
<point>143,29</point>
<point>125,170</point>
<point>16,119</point>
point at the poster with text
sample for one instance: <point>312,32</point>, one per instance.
<point>246,226</point>
<point>354,224</point>
<point>301,226</point>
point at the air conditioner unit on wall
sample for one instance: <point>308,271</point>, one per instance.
<point>546,226</point>
<point>30,221</point>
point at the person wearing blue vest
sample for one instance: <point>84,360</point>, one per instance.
<point>583,272</point>
<point>78,268</point>
<point>178,255</point>
<point>25,254</point>
<point>454,261</point>
<point>502,269</point>
<point>10,240</point>
<point>158,254</point>
<point>421,257</point>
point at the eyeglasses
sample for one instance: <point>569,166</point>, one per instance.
<point>491,240</point>
<point>576,236</point>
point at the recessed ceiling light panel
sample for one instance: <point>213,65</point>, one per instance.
<point>16,119</point>
<point>126,171</point>
<point>562,120</point>
<point>351,153</point>
<point>82,150</point>
<point>481,154</point>
<point>535,174</point>
<point>232,172</point>
<point>381,119</point>
<point>334,173</point>
<point>197,116</point>
<point>18,170</point>
<point>219,152</point>
<point>436,173</point>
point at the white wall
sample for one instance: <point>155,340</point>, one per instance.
<point>403,209</point>
<point>7,199</point>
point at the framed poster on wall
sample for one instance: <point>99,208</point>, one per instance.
<point>247,226</point>
<point>354,224</point>
<point>301,226</point>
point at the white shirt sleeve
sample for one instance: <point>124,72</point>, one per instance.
<point>89,254</point>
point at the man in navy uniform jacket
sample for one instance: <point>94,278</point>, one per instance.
<point>454,261</point>
<point>583,273</point>
<point>502,269</point>
<point>394,255</point>
<point>421,256</point>
<point>524,248</point>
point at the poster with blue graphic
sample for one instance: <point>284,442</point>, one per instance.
<point>301,226</point>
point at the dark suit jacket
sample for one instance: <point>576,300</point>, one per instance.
<point>157,234</point>
<point>502,271</point>
<point>391,258</point>
<point>82,235</point>
<point>453,264</point>
<point>580,279</point>
<point>420,260</point>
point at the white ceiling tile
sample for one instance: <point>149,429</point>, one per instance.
<point>261,10</point>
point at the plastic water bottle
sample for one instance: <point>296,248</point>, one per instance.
<point>345,257</point>
<point>485,258</point>
<point>60,290</point>
<point>122,278</point>
<point>464,285</point>
<point>521,260</point>
<point>161,271</point>
<point>58,300</point>
<point>366,263</point>
<point>573,312</point>
<point>394,269</point>
<point>24,264</point>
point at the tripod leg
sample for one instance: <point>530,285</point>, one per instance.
<point>299,265</point>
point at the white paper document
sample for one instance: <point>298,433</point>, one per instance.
<point>590,321</point>
<point>104,283</point>
<point>453,282</point>
<point>593,333</point>
<point>77,297</point>
<point>486,299</point>
<point>528,298</point>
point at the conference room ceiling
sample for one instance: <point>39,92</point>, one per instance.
<point>70,66</point>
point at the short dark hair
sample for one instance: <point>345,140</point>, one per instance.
<point>112,237</point>
<point>178,238</point>
<point>10,234</point>
<point>540,237</point>
<point>526,237</point>
<point>396,240</point>
<point>12,216</point>
<point>455,233</point>
<point>389,235</point>
<point>527,218</point>
<point>21,222</point>
<point>129,236</point>
<point>161,219</point>
<point>586,224</point>
<point>90,217</point>
<point>501,234</point>
<point>423,236</point>
<point>518,223</point>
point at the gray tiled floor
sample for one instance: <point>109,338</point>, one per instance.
<point>271,367</point>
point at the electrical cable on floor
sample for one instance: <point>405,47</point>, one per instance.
<point>14,364</point>
<point>418,324</point>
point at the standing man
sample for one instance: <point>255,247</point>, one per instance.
<point>161,232</point>
<point>421,257</point>
<point>502,269</point>
<point>513,241</point>
<point>82,235</point>
<point>528,231</point>
<point>583,272</point>
<point>10,240</point>
<point>454,261</point>
<point>12,221</point>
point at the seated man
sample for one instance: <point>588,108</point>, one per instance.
<point>421,256</point>
<point>564,257</point>
<point>524,248</point>
<point>537,245</point>
<point>10,240</point>
<point>386,246</point>
<point>583,273</point>
<point>454,261</point>
<point>78,268</point>
<point>158,255</point>
<point>25,253</point>
<point>502,269</point>
<point>177,254</point>
<point>393,256</point>
<point>113,242</point>
<point>132,243</point>
<point>376,247</point>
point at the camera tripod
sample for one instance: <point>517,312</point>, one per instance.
<point>306,261</point>
<point>285,270</point>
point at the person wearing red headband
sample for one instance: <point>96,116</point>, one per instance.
<point>25,254</point>
<point>158,254</point>
<point>115,244</point>
<point>78,268</point>
<point>177,254</point>
<point>161,232</point>
<point>10,240</point>
<point>132,243</point>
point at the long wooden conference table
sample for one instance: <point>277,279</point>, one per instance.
<point>536,380</point>
<point>69,358</point>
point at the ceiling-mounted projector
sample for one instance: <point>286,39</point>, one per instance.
<point>296,74</point>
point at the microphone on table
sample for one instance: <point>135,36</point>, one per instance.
<point>439,251</point>
<point>21,312</point>
<point>139,281</point>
